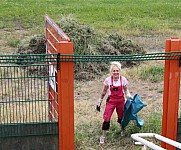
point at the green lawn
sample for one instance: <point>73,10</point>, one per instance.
<point>143,16</point>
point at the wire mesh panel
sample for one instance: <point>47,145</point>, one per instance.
<point>24,99</point>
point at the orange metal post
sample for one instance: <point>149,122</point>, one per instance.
<point>65,79</point>
<point>165,92</point>
<point>171,95</point>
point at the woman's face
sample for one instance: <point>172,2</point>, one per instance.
<point>115,71</point>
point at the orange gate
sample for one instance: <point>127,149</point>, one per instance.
<point>61,84</point>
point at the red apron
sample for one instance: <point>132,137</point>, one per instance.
<point>116,101</point>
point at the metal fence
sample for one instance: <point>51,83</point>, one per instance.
<point>24,102</point>
<point>24,79</point>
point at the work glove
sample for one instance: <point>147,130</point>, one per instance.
<point>98,105</point>
<point>128,95</point>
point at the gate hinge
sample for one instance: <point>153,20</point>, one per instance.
<point>180,62</point>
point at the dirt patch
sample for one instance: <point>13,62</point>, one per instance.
<point>7,35</point>
<point>151,43</point>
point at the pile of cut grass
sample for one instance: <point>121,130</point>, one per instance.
<point>87,42</point>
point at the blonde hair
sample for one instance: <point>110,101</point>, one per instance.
<point>115,64</point>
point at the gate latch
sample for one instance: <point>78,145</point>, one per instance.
<point>58,61</point>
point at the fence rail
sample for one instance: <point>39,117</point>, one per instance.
<point>123,57</point>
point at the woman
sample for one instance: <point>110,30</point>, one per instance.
<point>116,85</point>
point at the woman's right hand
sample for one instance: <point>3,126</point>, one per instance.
<point>98,106</point>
